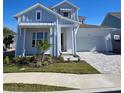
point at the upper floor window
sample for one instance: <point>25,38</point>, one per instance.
<point>65,14</point>
<point>38,15</point>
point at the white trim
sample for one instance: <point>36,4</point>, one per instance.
<point>66,25</point>
<point>57,41</point>
<point>36,24</point>
<point>72,41</point>
<point>39,39</point>
<point>38,11</point>
<point>19,20</point>
<point>51,40</point>
<point>65,9</point>
<point>66,2</point>
<point>38,4</point>
<point>16,40</point>
<point>24,42</point>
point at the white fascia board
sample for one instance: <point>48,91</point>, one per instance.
<point>67,2</point>
<point>65,9</point>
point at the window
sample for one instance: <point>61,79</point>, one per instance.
<point>38,15</point>
<point>33,40</point>
<point>45,36</point>
<point>65,14</point>
<point>117,37</point>
<point>39,36</point>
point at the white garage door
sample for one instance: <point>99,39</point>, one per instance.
<point>91,43</point>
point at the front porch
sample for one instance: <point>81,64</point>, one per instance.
<point>62,39</point>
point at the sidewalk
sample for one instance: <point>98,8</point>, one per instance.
<point>86,82</point>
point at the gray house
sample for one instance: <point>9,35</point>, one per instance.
<point>113,19</point>
<point>62,27</point>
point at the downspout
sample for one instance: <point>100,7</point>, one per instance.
<point>75,33</point>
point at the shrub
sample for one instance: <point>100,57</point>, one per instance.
<point>59,59</point>
<point>15,59</point>
<point>79,59</point>
<point>48,58</point>
<point>33,59</point>
<point>45,63</point>
<point>6,60</point>
<point>68,59</point>
<point>24,60</point>
<point>38,64</point>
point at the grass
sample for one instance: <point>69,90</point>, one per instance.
<point>68,67</point>
<point>32,87</point>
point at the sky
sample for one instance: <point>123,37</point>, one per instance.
<point>93,10</point>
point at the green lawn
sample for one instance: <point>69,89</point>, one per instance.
<point>68,67</point>
<point>32,87</point>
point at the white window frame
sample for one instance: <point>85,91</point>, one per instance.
<point>38,11</point>
<point>38,39</point>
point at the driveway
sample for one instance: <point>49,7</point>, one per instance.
<point>87,83</point>
<point>104,62</point>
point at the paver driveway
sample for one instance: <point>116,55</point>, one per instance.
<point>105,63</point>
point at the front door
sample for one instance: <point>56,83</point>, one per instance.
<point>62,42</point>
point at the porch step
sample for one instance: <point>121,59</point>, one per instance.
<point>71,57</point>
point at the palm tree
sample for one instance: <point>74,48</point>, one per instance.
<point>43,46</point>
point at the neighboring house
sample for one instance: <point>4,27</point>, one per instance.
<point>113,19</point>
<point>61,26</point>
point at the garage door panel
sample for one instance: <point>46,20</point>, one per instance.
<point>91,43</point>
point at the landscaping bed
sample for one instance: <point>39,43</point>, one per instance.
<point>32,87</point>
<point>56,65</point>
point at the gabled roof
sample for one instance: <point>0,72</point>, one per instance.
<point>26,10</point>
<point>115,14</point>
<point>65,1</point>
<point>91,26</point>
<point>42,6</point>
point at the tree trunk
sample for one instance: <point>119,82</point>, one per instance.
<point>42,57</point>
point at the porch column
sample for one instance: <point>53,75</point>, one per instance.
<point>51,41</point>
<point>54,41</point>
<point>59,41</point>
<point>24,42</point>
<point>58,34</point>
<point>74,46</point>
<point>73,42</point>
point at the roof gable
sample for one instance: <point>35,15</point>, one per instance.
<point>42,6</point>
<point>116,14</point>
<point>65,1</point>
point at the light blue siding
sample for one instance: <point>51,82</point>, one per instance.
<point>28,47</point>
<point>112,21</point>
<point>19,44</point>
<point>46,16</point>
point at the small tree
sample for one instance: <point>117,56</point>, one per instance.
<point>8,40</point>
<point>43,46</point>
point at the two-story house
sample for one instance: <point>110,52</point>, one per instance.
<point>61,26</point>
